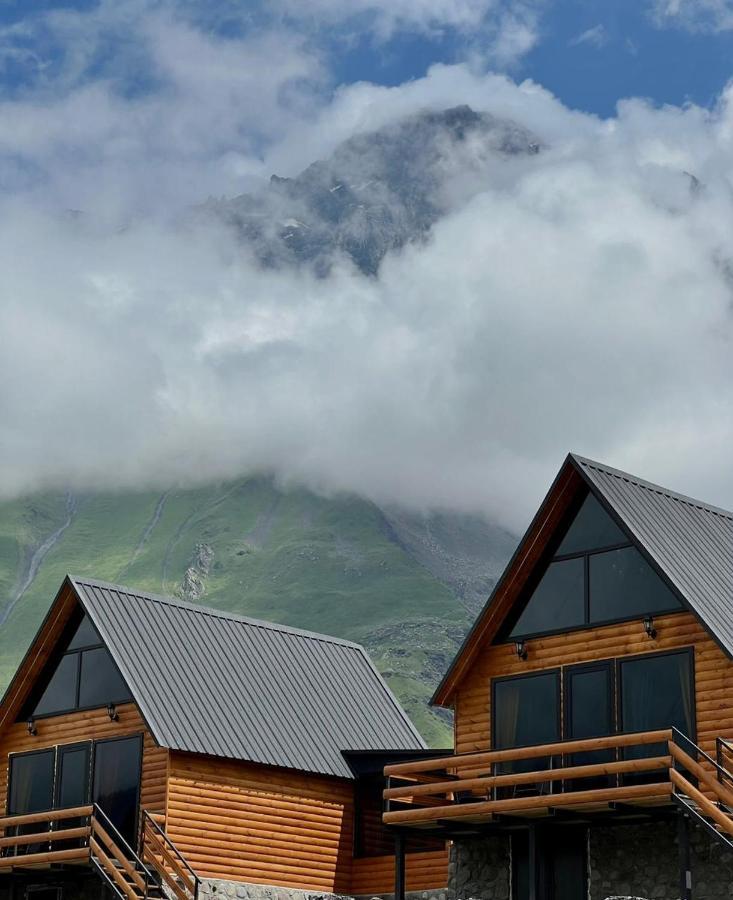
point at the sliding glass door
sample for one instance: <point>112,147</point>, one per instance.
<point>589,713</point>
<point>31,791</point>
<point>116,786</point>
<point>105,772</point>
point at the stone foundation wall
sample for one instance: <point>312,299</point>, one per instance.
<point>643,861</point>
<point>216,889</point>
<point>480,868</point>
<point>630,861</point>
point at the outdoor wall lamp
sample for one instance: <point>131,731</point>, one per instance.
<point>651,631</point>
<point>112,712</point>
<point>31,724</point>
<point>520,649</point>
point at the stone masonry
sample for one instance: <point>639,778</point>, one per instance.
<point>629,861</point>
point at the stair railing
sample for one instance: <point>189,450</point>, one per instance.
<point>723,747</point>
<point>112,855</point>
<point>690,797</point>
<point>160,852</point>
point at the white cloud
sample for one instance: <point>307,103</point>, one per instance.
<point>597,37</point>
<point>578,300</point>
<point>390,16</point>
<point>694,15</point>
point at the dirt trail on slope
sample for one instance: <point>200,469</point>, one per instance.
<point>36,560</point>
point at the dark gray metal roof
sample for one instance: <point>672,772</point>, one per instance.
<point>690,542</point>
<point>224,685</point>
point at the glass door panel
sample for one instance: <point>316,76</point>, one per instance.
<point>73,788</point>
<point>116,785</point>
<point>589,713</point>
<point>31,791</point>
<point>656,692</point>
<point>526,712</point>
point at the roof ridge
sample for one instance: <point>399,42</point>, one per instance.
<point>652,486</point>
<point>217,613</point>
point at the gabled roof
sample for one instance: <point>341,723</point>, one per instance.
<point>688,542</point>
<point>224,685</point>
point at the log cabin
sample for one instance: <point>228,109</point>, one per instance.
<point>155,748</point>
<point>593,707</point>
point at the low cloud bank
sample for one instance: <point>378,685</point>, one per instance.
<point>581,298</point>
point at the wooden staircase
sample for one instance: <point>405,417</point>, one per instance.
<point>703,786</point>
<point>85,836</point>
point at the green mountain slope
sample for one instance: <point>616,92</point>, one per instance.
<point>403,585</point>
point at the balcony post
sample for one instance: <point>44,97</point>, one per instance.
<point>683,832</point>
<point>533,864</point>
<point>399,866</point>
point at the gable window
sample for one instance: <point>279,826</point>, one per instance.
<point>81,676</point>
<point>595,576</point>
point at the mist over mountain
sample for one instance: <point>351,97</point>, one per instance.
<point>377,191</point>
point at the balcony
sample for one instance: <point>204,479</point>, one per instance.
<point>629,775</point>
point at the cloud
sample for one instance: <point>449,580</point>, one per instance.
<point>576,299</point>
<point>597,37</point>
<point>386,17</point>
<point>694,15</point>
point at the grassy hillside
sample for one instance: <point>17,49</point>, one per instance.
<point>340,566</point>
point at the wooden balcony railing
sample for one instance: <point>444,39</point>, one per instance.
<point>476,786</point>
<point>28,846</point>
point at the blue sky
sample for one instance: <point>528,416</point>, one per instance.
<point>589,53</point>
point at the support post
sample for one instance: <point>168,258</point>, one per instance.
<point>399,867</point>
<point>533,864</point>
<point>683,830</point>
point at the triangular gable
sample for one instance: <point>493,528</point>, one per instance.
<point>657,521</point>
<point>53,639</point>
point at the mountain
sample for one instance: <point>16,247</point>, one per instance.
<point>377,191</point>
<point>405,585</point>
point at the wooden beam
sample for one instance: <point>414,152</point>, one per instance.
<point>50,836</point>
<point>50,856</point>
<point>475,760</point>
<point>605,795</point>
<point>707,806</point>
<point>51,815</point>
<point>568,772</point>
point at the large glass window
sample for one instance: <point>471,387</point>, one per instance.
<point>657,692</point>
<point>82,675</point>
<point>595,576</point>
<point>31,782</point>
<point>558,601</point>
<point>622,584</point>
<point>526,712</point>
<point>117,782</point>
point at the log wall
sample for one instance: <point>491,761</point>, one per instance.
<point>245,822</point>
<point>84,726</point>
<point>423,872</point>
<point>713,672</point>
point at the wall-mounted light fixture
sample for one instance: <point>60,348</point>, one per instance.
<point>112,712</point>
<point>520,648</point>
<point>651,631</point>
<point>31,725</point>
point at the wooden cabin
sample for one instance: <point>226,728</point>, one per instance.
<point>593,703</point>
<point>156,748</point>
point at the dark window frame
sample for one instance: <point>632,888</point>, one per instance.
<point>690,651</point>
<point>54,749</point>
<point>550,556</point>
<point>124,737</point>
<point>20,753</point>
<point>556,670</point>
<point>597,665</point>
<point>614,663</point>
<point>53,663</point>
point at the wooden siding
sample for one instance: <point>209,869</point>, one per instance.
<point>84,726</point>
<point>423,872</point>
<point>713,672</point>
<point>245,822</point>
